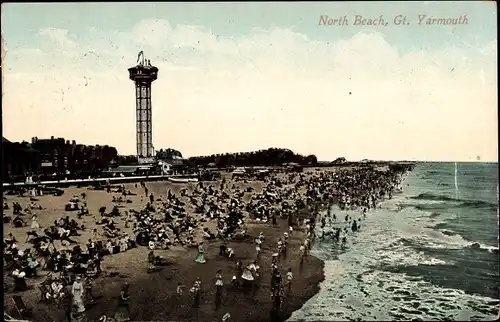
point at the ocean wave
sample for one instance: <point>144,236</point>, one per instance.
<point>432,206</point>
<point>366,281</point>
<point>424,228</point>
<point>403,256</point>
<point>441,239</point>
<point>359,284</point>
<point>434,214</point>
<point>448,232</point>
<point>431,196</point>
<point>369,294</point>
<point>488,248</point>
<point>462,202</point>
<point>478,204</point>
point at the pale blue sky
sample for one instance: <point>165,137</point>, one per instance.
<point>20,22</point>
<point>247,76</point>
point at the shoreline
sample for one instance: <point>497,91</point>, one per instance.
<point>382,260</point>
<point>403,177</point>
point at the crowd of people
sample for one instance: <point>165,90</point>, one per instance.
<point>214,211</point>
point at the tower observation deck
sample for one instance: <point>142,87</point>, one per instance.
<point>143,74</point>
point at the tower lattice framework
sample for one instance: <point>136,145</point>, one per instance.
<point>143,75</point>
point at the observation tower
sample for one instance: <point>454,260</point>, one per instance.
<point>143,75</point>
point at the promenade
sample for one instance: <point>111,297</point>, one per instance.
<point>65,183</point>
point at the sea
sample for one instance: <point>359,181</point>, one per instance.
<point>429,253</point>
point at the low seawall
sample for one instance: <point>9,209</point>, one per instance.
<point>82,182</point>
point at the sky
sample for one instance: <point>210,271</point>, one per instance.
<point>249,76</point>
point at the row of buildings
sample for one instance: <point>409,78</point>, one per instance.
<point>47,157</point>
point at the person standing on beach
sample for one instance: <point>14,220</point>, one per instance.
<point>218,289</point>
<point>200,258</point>
<point>97,263</point>
<point>122,312</point>
<point>151,262</point>
<point>78,293</point>
<point>195,290</point>
<point>306,246</point>
<point>289,278</point>
<point>275,277</point>
<point>302,253</point>
<point>88,290</point>
<point>258,243</point>
<point>285,244</point>
<point>180,290</point>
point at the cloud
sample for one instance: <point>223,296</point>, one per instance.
<point>357,97</point>
<point>152,32</point>
<point>59,37</point>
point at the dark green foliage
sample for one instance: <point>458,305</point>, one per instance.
<point>269,157</point>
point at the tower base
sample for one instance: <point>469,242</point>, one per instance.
<point>147,160</point>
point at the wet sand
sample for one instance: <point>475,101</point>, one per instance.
<point>153,296</point>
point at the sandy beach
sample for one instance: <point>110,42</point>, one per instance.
<point>153,295</point>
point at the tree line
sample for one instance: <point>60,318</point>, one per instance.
<point>269,157</point>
